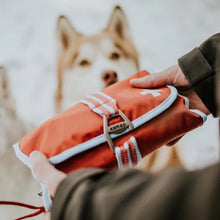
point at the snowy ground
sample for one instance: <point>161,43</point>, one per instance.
<point>162,31</point>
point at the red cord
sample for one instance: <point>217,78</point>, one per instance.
<point>31,215</point>
<point>40,210</point>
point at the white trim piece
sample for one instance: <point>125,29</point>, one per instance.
<point>186,100</point>
<point>203,115</point>
<point>139,157</point>
<point>96,99</point>
<point>78,149</point>
<point>23,157</point>
<point>130,163</point>
<point>98,111</point>
<point>105,95</point>
<point>91,105</point>
<point>118,156</point>
<point>45,193</point>
<point>109,108</point>
<point>46,197</point>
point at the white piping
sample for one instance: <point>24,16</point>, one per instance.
<point>23,157</point>
<point>186,100</point>
<point>139,157</point>
<point>118,157</point>
<point>203,115</point>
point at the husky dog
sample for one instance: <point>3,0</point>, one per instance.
<point>87,64</point>
<point>16,181</point>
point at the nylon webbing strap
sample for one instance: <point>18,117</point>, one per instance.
<point>101,104</point>
<point>128,154</point>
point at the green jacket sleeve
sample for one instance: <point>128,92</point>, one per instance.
<point>201,67</point>
<point>96,194</point>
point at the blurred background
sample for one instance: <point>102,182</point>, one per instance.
<point>162,31</point>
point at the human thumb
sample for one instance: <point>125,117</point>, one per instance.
<point>157,79</point>
<point>46,172</point>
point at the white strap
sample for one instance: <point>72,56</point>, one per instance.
<point>101,104</point>
<point>128,154</point>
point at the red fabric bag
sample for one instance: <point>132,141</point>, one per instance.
<point>112,128</point>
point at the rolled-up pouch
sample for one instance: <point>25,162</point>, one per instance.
<point>112,128</point>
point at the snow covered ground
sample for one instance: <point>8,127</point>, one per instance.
<point>162,31</point>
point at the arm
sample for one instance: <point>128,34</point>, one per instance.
<point>194,77</point>
<point>201,67</point>
<point>131,194</point>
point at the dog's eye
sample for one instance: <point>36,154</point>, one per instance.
<point>115,56</point>
<point>84,63</point>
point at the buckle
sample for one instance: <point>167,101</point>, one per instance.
<point>116,128</point>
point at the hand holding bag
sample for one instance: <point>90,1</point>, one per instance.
<point>112,128</point>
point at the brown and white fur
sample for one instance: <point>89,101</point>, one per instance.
<point>16,181</point>
<point>87,64</point>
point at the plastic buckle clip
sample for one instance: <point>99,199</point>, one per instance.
<point>116,128</point>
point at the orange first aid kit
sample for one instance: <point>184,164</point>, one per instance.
<point>112,128</point>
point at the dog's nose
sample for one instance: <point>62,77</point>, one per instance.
<point>109,77</point>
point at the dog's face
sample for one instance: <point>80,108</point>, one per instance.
<point>87,64</point>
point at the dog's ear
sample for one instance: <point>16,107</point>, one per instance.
<point>118,23</point>
<point>65,32</point>
<point>4,85</point>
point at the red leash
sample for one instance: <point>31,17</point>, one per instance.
<point>38,212</point>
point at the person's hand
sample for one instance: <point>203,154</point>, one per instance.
<point>172,76</point>
<point>50,176</point>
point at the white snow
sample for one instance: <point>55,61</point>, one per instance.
<point>162,31</point>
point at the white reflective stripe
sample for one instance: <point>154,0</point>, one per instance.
<point>96,99</point>
<point>129,155</point>
<point>109,108</point>
<point>138,153</point>
<point>91,105</point>
<point>106,96</point>
<point>203,115</point>
<point>98,111</point>
<point>118,156</point>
